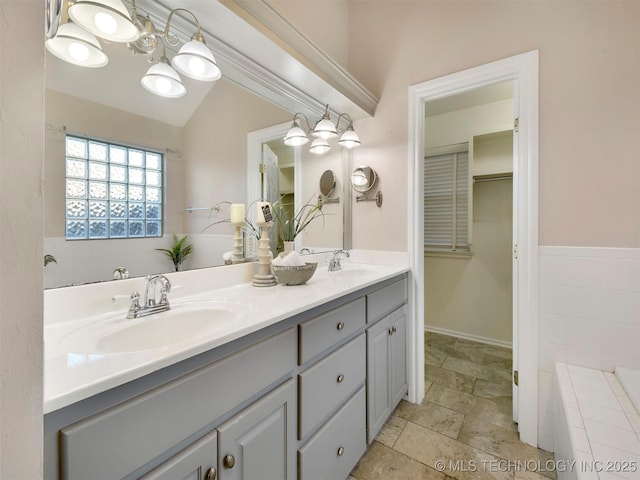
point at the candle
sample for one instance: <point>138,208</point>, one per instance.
<point>263,213</point>
<point>237,213</point>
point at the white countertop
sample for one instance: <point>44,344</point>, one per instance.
<point>76,369</point>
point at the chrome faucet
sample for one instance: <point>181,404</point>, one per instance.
<point>150,305</point>
<point>334,263</point>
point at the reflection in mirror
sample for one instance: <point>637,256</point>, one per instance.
<point>327,183</point>
<point>203,146</point>
<point>363,179</point>
<point>304,168</point>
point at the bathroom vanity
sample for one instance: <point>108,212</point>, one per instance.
<point>297,393</point>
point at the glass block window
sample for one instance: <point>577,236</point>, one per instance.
<point>112,191</point>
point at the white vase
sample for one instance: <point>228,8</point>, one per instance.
<point>288,247</point>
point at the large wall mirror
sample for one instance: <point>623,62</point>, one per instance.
<point>203,139</point>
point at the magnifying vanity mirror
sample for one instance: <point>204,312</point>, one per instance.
<point>363,179</point>
<point>327,183</point>
<point>328,187</point>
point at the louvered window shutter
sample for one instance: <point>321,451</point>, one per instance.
<point>446,202</point>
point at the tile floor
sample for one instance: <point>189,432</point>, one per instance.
<point>463,429</point>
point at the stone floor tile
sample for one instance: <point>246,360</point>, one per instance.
<point>442,453</point>
<point>449,378</point>
<point>496,361</point>
<point>437,418</point>
<point>496,440</point>
<point>434,356</point>
<point>487,389</point>
<point>473,369</point>
<point>391,430</point>
<point>384,463</point>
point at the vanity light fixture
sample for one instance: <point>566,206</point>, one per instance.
<point>161,79</point>
<point>323,130</point>
<point>75,42</point>
<point>77,46</point>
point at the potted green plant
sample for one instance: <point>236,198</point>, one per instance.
<point>290,224</point>
<point>178,251</point>
<point>49,259</point>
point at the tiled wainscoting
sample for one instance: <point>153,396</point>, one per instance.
<point>589,314</point>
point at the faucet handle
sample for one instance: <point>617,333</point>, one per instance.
<point>134,308</point>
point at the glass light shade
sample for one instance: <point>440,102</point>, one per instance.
<point>319,146</point>
<point>295,137</point>
<point>349,138</point>
<point>196,61</point>
<point>108,19</point>
<point>163,80</point>
<point>325,129</point>
<point>359,178</point>
<point>77,46</point>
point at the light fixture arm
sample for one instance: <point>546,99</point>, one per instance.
<point>349,124</point>
<point>165,33</point>
<point>302,116</point>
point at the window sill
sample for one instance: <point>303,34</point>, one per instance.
<point>448,254</point>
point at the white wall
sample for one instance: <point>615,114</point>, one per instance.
<point>21,154</point>
<point>589,314</point>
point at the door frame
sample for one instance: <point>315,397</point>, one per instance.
<point>522,69</point>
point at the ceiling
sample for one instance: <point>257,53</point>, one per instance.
<point>470,98</point>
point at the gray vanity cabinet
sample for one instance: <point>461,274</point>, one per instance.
<point>196,462</point>
<point>259,443</point>
<point>386,354</point>
<point>386,369</point>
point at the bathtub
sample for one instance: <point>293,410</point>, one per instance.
<point>630,380</point>
<point>597,425</point>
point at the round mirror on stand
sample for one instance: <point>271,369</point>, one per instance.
<point>363,180</point>
<point>327,187</point>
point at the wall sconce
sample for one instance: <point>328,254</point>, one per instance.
<point>323,131</point>
<point>75,42</point>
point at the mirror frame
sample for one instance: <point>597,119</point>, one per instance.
<point>368,173</point>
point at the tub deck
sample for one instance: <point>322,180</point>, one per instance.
<point>597,426</point>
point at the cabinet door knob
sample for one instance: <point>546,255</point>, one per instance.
<point>211,474</point>
<point>340,326</point>
<point>340,451</point>
<point>390,331</point>
<point>340,378</point>
<point>229,461</point>
<point>394,329</point>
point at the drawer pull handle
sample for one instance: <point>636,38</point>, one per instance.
<point>340,451</point>
<point>229,461</point>
<point>340,378</point>
<point>211,474</point>
<point>340,326</point>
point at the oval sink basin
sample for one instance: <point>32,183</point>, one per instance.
<point>183,323</point>
<point>167,328</point>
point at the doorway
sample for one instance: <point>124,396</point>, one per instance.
<point>522,70</point>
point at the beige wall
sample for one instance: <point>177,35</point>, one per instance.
<point>21,153</point>
<point>216,149</point>
<point>589,104</point>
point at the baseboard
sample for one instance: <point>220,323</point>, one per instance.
<point>469,336</point>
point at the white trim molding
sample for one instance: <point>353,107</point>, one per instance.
<point>523,71</point>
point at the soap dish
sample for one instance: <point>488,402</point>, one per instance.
<point>294,275</point>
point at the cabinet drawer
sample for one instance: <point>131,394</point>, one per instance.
<point>320,333</point>
<point>336,448</point>
<point>123,438</point>
<point>325,385</point>
<point>386,300</point>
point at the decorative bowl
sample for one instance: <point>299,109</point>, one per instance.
<point>294,275</point>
